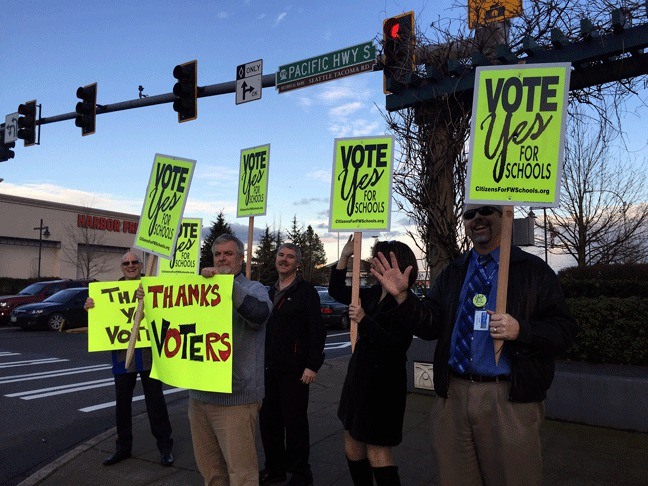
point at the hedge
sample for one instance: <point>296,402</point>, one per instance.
<point>611,330</point>
<point>610,303</point>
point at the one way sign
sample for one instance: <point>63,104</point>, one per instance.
<point>248,81</point>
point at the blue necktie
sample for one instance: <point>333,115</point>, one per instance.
<point>462,353</point>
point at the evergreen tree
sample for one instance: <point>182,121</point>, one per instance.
<point>296,235</point>
<point>263,261</point>
<point>313,257</point>
<point>219,227</point>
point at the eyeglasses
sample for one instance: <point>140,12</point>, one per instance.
<point>483,211</point>
<point>132,262</point>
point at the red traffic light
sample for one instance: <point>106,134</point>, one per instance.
<point>392,28</point>
<point>398,51</point>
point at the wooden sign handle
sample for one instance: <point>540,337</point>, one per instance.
<point>503,272</point>
<point>250,241</point>
<point>355,284</point>
<point>139,313</point>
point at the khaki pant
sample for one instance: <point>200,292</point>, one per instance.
<point>480,437</point>
<point>224,444</point>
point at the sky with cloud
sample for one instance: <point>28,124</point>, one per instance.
<point>49,49</point>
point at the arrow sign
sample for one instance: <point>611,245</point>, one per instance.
<point>11,128</point>
<point>249,81</point>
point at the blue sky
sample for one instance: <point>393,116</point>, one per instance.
<point>49,49</point>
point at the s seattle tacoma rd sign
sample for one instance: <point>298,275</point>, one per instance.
<point>327,67</point>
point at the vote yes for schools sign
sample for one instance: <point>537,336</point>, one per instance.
<point>186,257</point>
<point>164,203</point>
<point>517,133</point>
<point>253,181</point>
<point>361,184</point>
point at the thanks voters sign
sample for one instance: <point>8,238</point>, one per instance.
<point>361,184</point>
<point>186,256</point>
<point>164,203</point>
<point>253,181</point>
<point>110,321</point>
<point>190,322</point>
<point>516,139</point>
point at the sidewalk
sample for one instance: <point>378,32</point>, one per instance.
<point>573,454</point>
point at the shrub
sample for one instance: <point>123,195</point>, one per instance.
<point>611,330</point>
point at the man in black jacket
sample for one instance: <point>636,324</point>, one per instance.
<point>294,352</point>
<point>491,370</point>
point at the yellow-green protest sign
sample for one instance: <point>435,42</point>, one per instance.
<point>166,196</point>
<point>516,138</point>
<point>190,322</point>
<point>361,184</point>
<point>111,319</point>
<point>253,181</point>
<point>186,257</point>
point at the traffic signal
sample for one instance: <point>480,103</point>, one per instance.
<point>27,123</point>
<point>86,109</point>
<point>5,148</point>
<point>186,91</point>
<point>398,49</point>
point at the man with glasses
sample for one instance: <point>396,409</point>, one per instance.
<point>491,370</point>
<point>125,379</point>
<point>223,425</point>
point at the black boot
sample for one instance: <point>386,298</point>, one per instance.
<point>386,476</point>
<point>360,472</point>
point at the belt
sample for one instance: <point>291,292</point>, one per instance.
<point>479,378</point>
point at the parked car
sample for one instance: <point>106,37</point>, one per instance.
<point>36,292</point>
<point>63,310</point>
<point>334,313</point>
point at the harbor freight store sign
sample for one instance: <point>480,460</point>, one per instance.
<point>110,321</point>
<point>186,257</point>
<point>190,321</point>
<point>327,67</point>
<point>253,181</point>
<point>361,184</point>
<point>516,139</point>
<point>166,196</point>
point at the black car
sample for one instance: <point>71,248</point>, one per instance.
<point>63,310</point>
<point>36,292</point>
<point>334,313</point>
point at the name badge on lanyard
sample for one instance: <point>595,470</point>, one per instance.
<point>481,321</point>
<point>482,318</point>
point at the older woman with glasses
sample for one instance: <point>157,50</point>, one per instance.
<point>372,405</point>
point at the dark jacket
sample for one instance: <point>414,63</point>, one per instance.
<point>295,334</point>
<point>372,405</point>
<point>534,298</point>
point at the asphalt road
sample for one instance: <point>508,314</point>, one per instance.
<point>56,395</point>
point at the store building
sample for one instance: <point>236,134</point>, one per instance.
<point>47,239</point>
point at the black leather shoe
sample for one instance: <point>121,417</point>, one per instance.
<point>167,459</point>
<point>116,457</point>
<point>270,477</point>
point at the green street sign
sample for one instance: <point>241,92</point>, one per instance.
<point>334,65</point>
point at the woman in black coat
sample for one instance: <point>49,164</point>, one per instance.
<point>372,405</point>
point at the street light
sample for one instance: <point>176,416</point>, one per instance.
<point>43,232</point>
